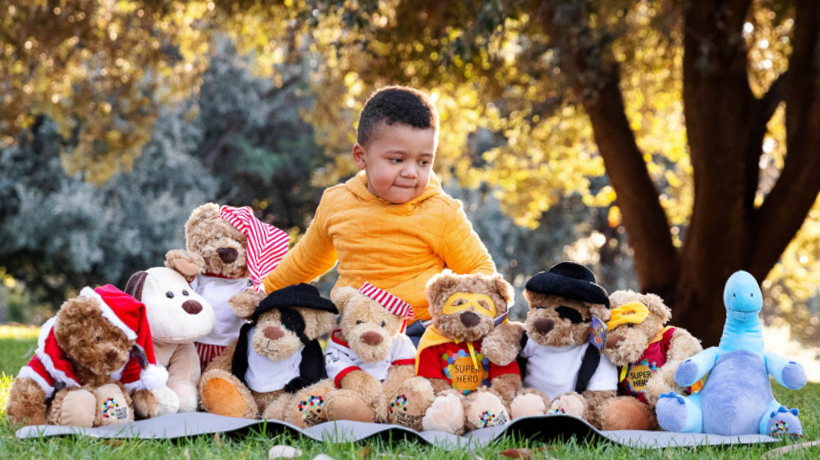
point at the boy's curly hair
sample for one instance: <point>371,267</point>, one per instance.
<point>396,104</point>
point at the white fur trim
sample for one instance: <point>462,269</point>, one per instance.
<point>151,378</point>
<point>27,372</point>
<point>108,313</point>
<point>44,358</point>
<point>117,375</point>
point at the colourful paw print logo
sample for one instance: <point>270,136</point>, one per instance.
<point>486,418</point>
<point>112,410</point>
<point>398,404</point>
<point>314,403</point>
<point>780,427</point>
<point>558,410</point>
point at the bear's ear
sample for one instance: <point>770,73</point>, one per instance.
<point>439,287</point>
<point>655,304</point>
<point>317,323</point>
<point>340,296</point>
<point>135,284</point>
<point>202,215</point>
<point>504,290</point>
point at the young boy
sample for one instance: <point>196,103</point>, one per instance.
<point>391,224</point>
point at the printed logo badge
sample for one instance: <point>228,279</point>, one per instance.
<point>597,333</point>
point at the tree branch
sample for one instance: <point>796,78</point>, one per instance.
<point>783,211</point>
<point>773,97</point>
<point>596,76</point>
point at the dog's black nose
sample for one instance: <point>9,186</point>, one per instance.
<point>543,325</point>
<point>228,255</point>
<point>469,318</point>
<point>192,307</point>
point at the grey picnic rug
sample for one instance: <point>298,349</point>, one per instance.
<point>543,428</point>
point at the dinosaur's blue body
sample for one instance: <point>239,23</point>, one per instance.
<point>737,397</point>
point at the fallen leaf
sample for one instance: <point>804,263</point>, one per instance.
<point>113,442</point>
<point>364,452</point>
<point>218,440</point>
<point>283,452</point>
<point>517,453</point>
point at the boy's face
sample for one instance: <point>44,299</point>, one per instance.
<point>398,161</point>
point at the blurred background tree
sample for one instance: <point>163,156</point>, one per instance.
<point>664,143</point>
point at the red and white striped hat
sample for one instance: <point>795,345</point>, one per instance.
<point>267,245</point>
<point>387,300</point>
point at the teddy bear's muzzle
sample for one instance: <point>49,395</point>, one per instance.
<point>614,341</point>
<point>469,318</point>
<point>228,255</point>
<point>273,333</point>
<point>372,338</point>
<point>543,325</point>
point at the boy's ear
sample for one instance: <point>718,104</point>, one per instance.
<point>358,155</point>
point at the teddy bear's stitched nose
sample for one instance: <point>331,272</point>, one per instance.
<point>228,255</point>
<point>469,319</point>
<point>110,355</point>
<point>273,333</point>
<point>543,325</point>
<point>614,341</point>
<point>192,307</point>
<point>372,338</point>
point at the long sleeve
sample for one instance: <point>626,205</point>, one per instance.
<point>462,249</point>
<point>312,256</point>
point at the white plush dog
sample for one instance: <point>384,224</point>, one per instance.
<point>178,317</point>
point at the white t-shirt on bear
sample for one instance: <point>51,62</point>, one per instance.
<point>341,359</point>
<point>264,375</point>
<point>554,370</point>
<point>218,291</point>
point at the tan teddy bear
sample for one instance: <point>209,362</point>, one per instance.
<point>272,368</point>
<point>178,317</point>
<point>94,365</point>
<point>463,389</point>
<point>229,253</point>
<point>647,353</point>
<point>369,357</point>
<point>562,371</point>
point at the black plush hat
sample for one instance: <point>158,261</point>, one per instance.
<point>571,281</point>
<point>297,295</point>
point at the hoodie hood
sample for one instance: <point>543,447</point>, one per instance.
<point>358,186</point>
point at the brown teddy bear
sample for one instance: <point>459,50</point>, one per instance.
<point>229,253</point>
<point>463,389</point>
<point>647,353</point>
<point>562,371</point>
<point>178,317</point>
<point>369,357</point>
<point>272,368</point>
<point>94,365</point>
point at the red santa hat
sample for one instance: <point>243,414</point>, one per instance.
<point>391,303</point>
<point>267,245</point>
<point>50,366</point>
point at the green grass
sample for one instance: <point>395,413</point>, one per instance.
<point>17,346</point>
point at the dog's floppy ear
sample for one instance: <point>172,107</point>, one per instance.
<point>135,284</point>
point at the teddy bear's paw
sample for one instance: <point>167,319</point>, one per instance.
<point>627,413</point>
<point>188,264</point>
<point>148,405</point>
<point>347,405</point>
<point>570,404</point>
<point>112,405</point>
<point>75,408</point>
<point>445,414</point>
<point>526,405</point>
<point>166,398</point>
<point>784,422</point>
<point>410,403</point>
<point>309,408</point>
<point>224,394</point>
<point>676,413</point>
<point>244,303</point>
<point>486,410</point>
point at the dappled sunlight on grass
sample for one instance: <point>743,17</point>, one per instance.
<point>10,331</point>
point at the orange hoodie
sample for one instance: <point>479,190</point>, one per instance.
<point>396,247</point>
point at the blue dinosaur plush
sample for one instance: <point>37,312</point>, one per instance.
<point>737,396</point>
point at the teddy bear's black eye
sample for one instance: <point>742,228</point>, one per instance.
<point>359,322</point>
<point>98,339</point>
<point>169,294</point>
<point>383,323</point>
<point>185,293</point>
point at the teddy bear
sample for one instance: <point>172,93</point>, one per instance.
<point>229,252</point>
<point>562,371</point>
<point>461,389</point>
<point>368,358</point>
<point>647,353</point>
<point>178,316</point>
<point>274,366</point>
<point>94,365</point>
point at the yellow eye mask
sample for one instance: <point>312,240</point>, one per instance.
<point>481,303</point>
<point>632,312</point>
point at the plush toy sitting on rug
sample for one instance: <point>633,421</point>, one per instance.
<point>647,353</point>
<point>369,357</point>
<point>229,252</point>
<point>563,371</point>
<point>272,367</point>
<point>178,317</point>
<point>463,389</point>
<point>94,365</point>
<point>737,396</point>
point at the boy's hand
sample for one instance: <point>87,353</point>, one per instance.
<point>188,264</point>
